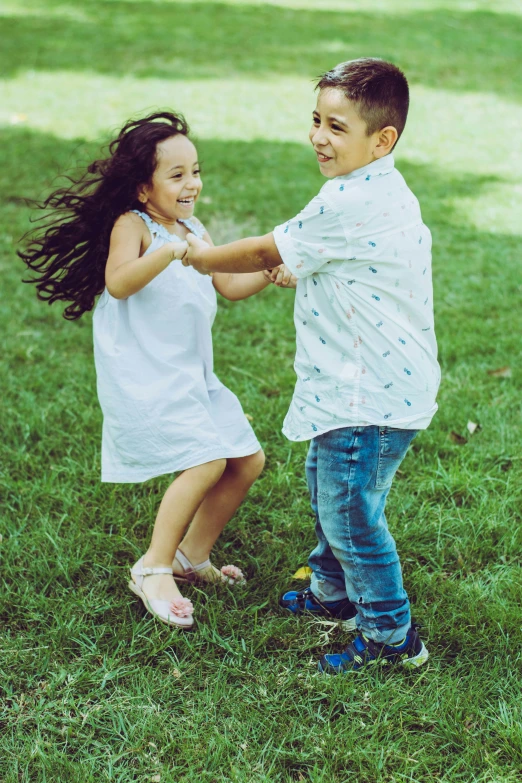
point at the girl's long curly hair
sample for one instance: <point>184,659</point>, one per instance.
<point>69,250</point>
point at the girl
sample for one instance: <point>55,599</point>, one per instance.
<point>120,232</point>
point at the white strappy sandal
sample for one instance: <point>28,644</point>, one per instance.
<point>178,612</point>
<point>229,574</point>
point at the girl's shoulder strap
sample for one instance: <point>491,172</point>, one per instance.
<point>146,219</point>
<point>156,229</point>
<point>195,226</point>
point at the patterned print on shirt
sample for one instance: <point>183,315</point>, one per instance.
<point>393,225</point>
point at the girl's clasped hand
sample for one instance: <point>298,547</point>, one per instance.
<point>119,232</point>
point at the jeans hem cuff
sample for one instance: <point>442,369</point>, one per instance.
<point>387,636</point>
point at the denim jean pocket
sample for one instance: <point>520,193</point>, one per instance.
<point>393,445</point>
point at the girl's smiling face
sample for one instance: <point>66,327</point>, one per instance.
<point>339,136</point>
<point>176,182</point>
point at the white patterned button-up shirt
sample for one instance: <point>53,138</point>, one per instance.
<point>366,349</point>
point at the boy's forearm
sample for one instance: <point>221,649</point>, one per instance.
<point>246,255</point>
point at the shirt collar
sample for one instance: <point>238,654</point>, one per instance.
<point>375,168</point>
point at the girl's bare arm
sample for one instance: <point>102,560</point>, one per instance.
<point>128,270</point>
<point>235,287</point>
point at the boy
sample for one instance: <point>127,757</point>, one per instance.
<point>367,372</point>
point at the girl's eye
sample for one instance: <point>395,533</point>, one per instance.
<point>176,176</point>
<point>336,127</point>
<point>315,120</point>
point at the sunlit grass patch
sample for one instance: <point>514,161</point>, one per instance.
<point>64,8</point>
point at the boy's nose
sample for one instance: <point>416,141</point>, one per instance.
<point>317,137</point>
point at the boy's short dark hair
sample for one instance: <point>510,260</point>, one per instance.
<point>378,89</point>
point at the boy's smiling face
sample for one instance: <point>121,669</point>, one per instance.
<point>338,135</point>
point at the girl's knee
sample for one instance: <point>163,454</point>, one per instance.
<point>258,460</point>
<point>211,472</point>
<point>252,466</point>
<point>217,468</point>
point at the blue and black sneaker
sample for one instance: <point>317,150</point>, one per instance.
<point>305,602</point>
<point>362,652</point>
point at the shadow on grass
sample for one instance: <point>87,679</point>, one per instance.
<point>79,532</point>
<point>462,51</point>
<point>262,184</point>
<point>266,180</point>
<point>253,187</point>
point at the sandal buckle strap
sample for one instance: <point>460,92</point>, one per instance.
<point>201,566</point>
<point>146,571</point>
<point>187,566</point>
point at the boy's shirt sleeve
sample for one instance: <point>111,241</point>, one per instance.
<point>312,239</point>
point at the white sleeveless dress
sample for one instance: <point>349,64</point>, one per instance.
<point>164,409</point>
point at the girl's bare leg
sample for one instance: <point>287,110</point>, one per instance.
<point>219,505</point>
<point>178,506</point>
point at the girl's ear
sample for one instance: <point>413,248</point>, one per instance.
<point>142,195</point>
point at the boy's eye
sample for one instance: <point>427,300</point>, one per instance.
<point>315,120</point>
<point>337,127</point>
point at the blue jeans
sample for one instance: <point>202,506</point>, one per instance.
<point>349,473</point>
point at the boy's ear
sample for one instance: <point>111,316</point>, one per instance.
<point>386,140</point>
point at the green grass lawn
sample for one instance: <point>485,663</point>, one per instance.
<point>94,690</point>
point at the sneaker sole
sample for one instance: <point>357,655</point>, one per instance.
<point>417,660</point>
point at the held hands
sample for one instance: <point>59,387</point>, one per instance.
<point>281,276</point>
<point>192,255</point>
<point>178,250</point>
